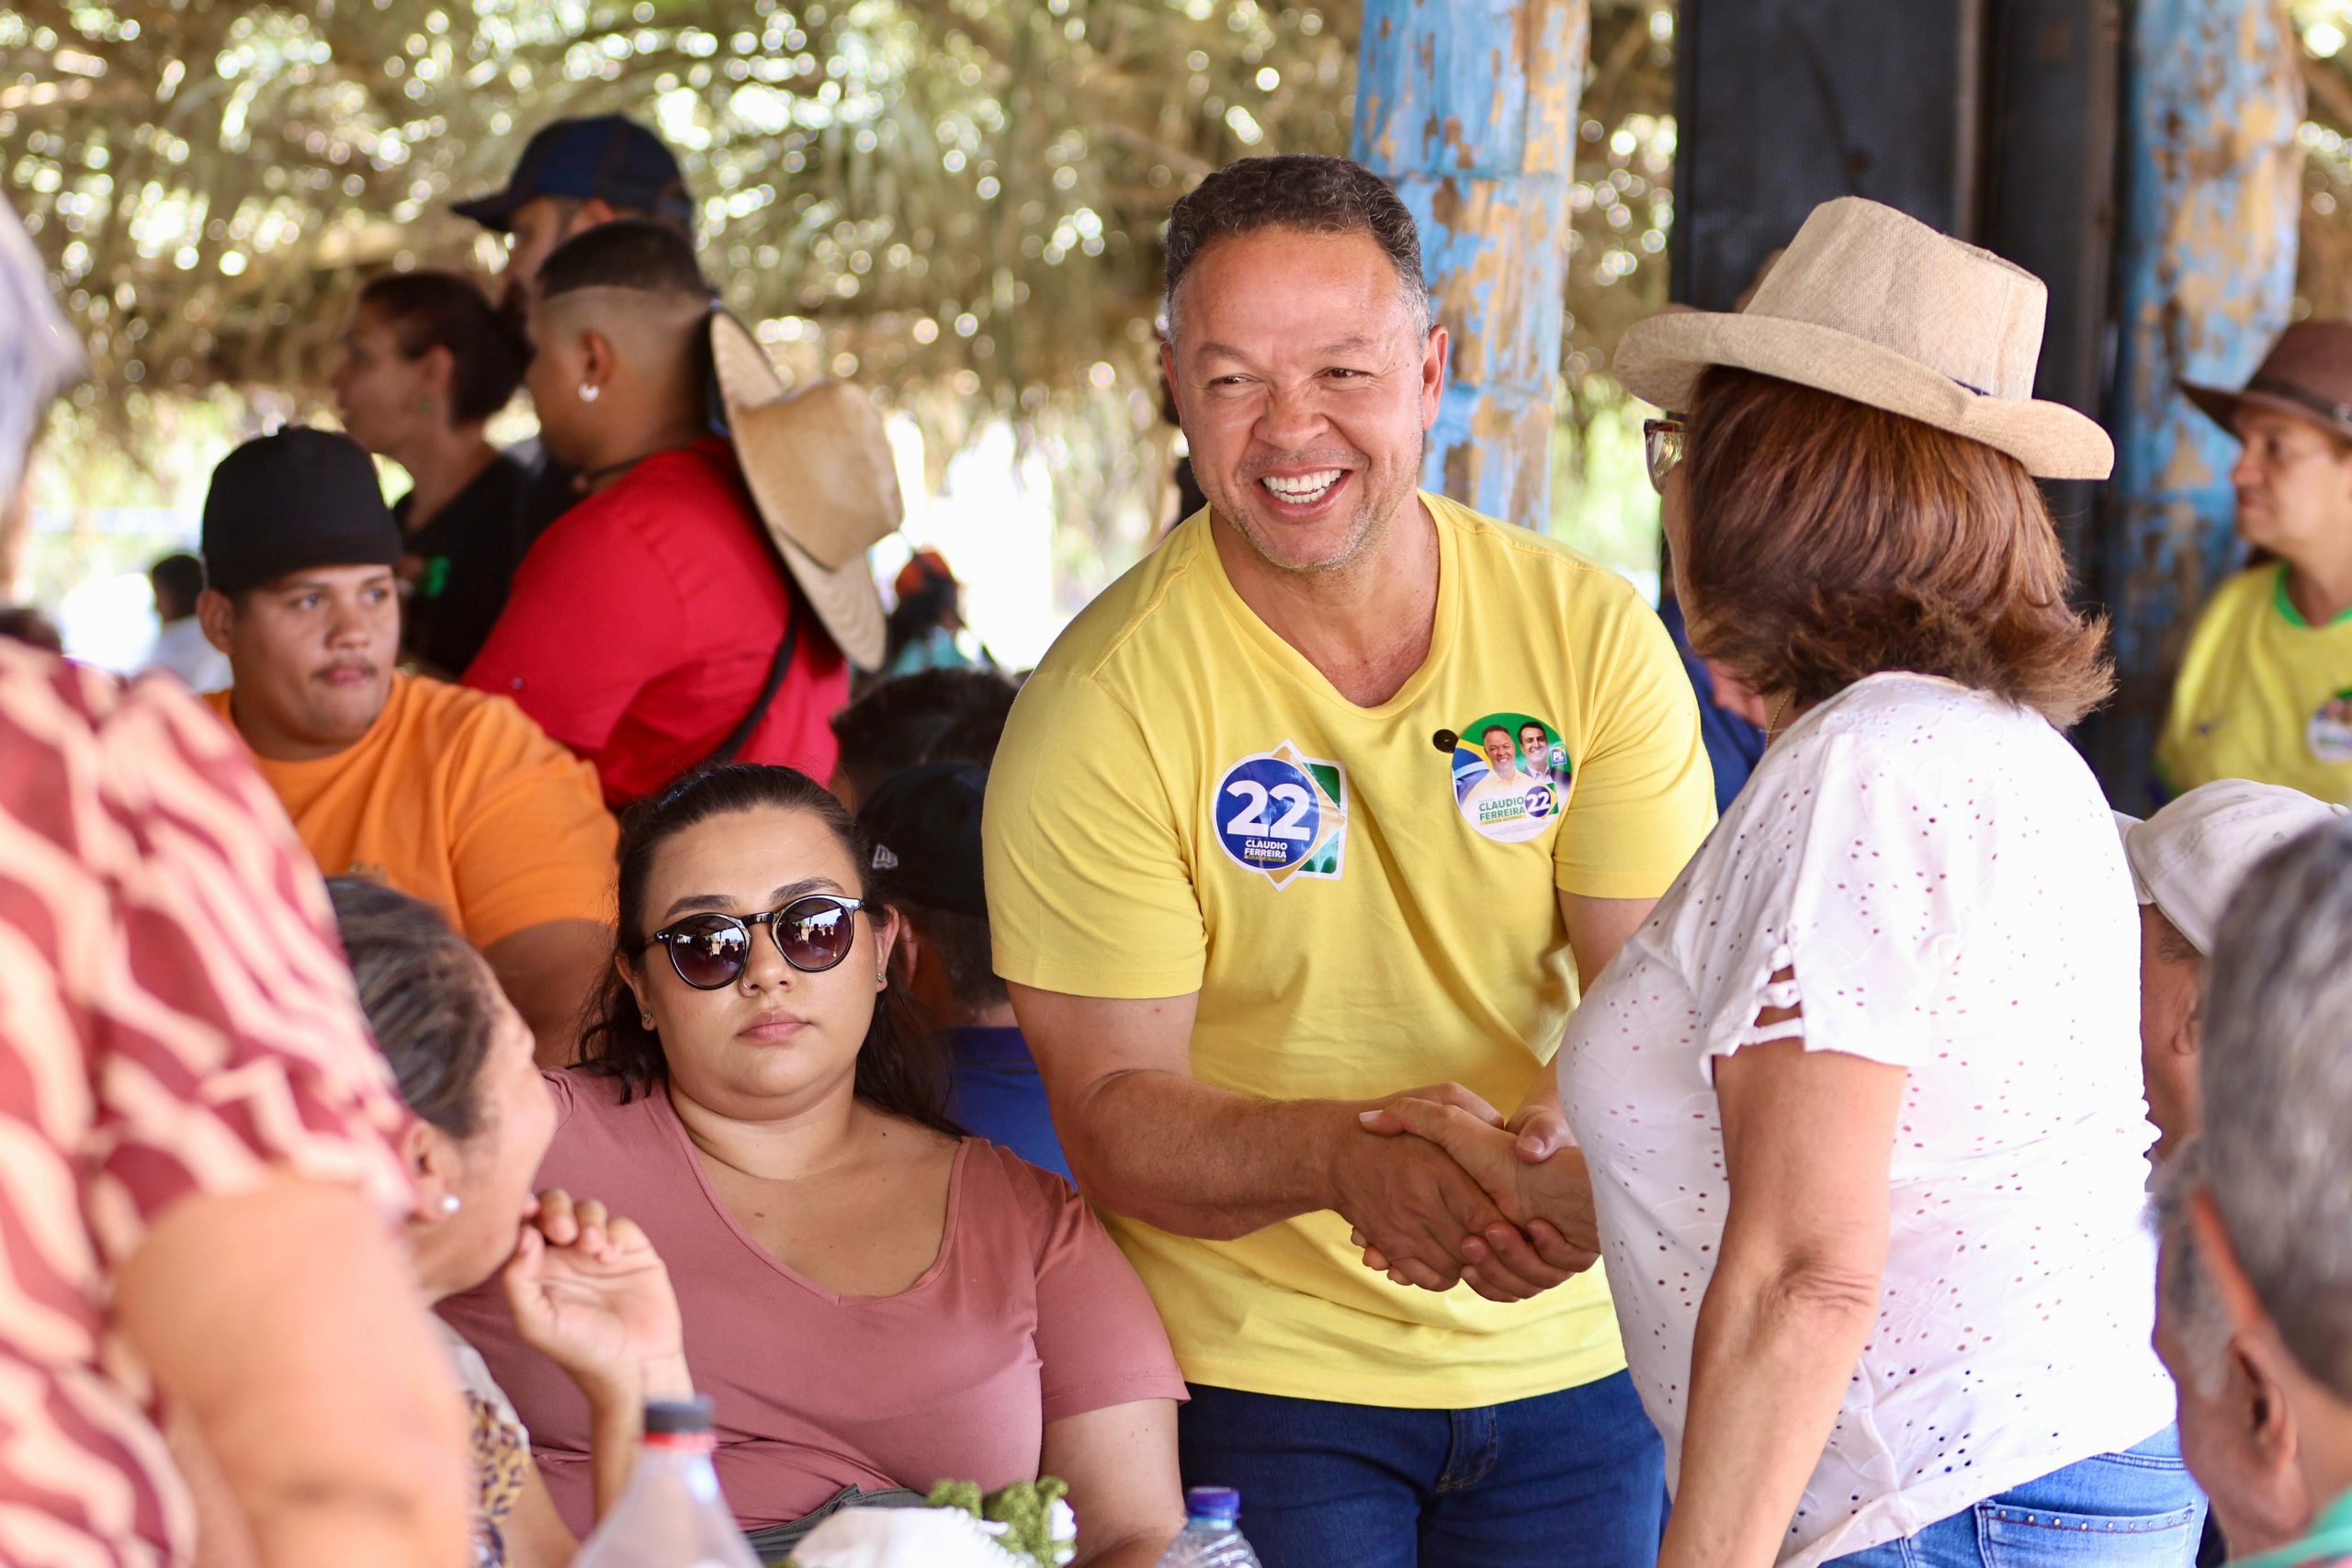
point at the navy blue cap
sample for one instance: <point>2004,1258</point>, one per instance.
<point>606,155</point>
<point>924,827</point>
<point>287,502</point>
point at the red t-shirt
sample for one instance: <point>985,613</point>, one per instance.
<point>642,624</point>
<point>1029,1316</point>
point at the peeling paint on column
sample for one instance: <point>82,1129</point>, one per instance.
<point>1469,108</point>
<point>2205,278</point>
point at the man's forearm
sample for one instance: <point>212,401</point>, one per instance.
<point>1202,1161</point>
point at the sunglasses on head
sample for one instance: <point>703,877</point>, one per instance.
<point>813,933</point>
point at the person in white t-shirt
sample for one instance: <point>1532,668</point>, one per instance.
<point>1860,1103</point>
<point>180,645</point>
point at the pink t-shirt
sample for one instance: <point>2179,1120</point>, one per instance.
<point>1029,1315</point>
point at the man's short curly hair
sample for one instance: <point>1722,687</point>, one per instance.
<point>1296,190</point>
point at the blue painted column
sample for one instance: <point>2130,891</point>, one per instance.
<point>1469,108</point>
<point>2205,275</point>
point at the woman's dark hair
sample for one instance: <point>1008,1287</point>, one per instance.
<point>427,996</point>
<point>900,1067</point>
<point>429,309</point>
<point>1830,540</point>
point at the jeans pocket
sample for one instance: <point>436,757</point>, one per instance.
<point>2032,1538</point>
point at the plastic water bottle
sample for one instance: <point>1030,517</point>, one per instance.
<point>1212,1537</point>
<point>672,1516</point>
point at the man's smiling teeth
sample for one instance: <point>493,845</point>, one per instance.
<point>1301,488</point>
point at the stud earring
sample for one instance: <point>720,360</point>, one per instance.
<point>451,1203</point>
<point>590,391</point>
<point>646,1020</point>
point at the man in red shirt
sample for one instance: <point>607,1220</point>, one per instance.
<point>654,629</point>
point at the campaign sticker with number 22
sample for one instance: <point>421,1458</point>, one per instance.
<point>1283,815</point>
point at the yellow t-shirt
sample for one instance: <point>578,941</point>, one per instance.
<point>456,798</point>
<point>2262,694</point>
<point>1363,897</point>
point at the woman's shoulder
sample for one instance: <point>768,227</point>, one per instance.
<point>1009,1178</point>
<point>602,1108</point>
<point>1902,720</point>
<point>1006,1195</point>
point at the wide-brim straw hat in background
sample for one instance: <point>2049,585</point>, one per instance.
<point>1873,305</point>
<point>819,466</point>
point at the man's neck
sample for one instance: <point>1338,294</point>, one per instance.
<point>440,466</point>
<point>1366,626</point>
<point>613,451</point>
<point>275,745</point>
<point>2320,589</point>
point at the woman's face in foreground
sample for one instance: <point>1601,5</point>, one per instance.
<point>777,1040</point>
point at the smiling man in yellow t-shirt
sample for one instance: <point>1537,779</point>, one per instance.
<point>1260,856</point>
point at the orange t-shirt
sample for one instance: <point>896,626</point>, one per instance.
<point>456,798</point>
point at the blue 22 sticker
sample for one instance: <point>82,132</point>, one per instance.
<point>1283,815</point>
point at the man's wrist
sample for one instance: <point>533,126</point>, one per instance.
<point>1331,1136</point>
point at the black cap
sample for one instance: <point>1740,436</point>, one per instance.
<point>924,825</point>
<point>285,502</point>
<point>606,155</point>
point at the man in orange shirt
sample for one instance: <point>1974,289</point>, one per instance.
<point>453,797</point>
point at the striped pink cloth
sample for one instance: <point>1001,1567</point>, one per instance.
<point>176,1018</point>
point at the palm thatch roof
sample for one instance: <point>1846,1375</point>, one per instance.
<point>957,201</point>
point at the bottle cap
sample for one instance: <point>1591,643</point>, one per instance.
<point>1213,1502</point>
<point>678,1417</point>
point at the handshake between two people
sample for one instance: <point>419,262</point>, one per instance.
<point>1444,1191</point>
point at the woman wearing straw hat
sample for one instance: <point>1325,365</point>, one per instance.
<point>1860,1103</point>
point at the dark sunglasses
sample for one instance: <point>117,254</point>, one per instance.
<point>814,933</point>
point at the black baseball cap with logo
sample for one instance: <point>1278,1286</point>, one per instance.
<point>292,500</point>
<point>605,156</point>
<point>924,828</point>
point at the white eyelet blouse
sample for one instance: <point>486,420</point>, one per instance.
<point>1939,872</point>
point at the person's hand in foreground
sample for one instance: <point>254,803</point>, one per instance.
<point>589,1292</point>
<point>1535,1178</point>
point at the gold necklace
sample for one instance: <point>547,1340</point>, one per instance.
<point>1772,719</point>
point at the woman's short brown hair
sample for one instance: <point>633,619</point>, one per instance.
<point>1830,540</point>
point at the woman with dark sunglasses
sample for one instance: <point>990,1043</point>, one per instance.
<point>875,1301</point>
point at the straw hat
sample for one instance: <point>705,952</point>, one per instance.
<point>1877,307</point>
<point>818,466</point>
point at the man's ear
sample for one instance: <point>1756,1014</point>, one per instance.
<point>215,612</point>
<point>598,359</point>
<point>2269,1423</point>
<point>1434,356</point>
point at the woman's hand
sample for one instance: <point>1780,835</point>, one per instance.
<point>1534,1177</point>
<point>589,1293</point>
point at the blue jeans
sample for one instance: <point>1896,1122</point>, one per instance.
<point>1568,1480</point>
<point>2135,1509</point>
